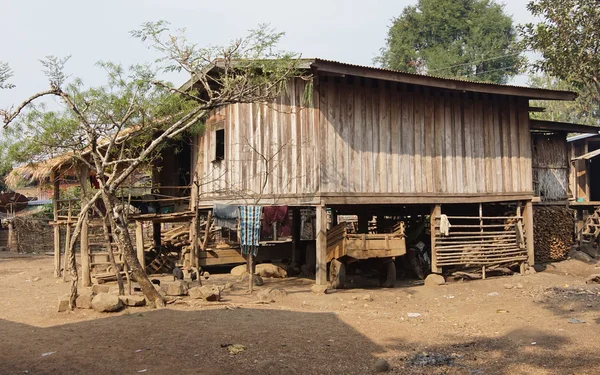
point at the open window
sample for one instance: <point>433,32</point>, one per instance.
<point>219,145</point>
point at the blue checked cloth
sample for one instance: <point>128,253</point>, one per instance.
<point>250,224</point>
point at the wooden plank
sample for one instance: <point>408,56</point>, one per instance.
<point>395,117</point>
<point>385,141</point>
<point>529,240</point>
<point>458,143</point>
<point>525,154</point>
<point>429,143</point>
<point>341,146</point>
<point>470,183</point>
<point>321,246</point>
<point>514,146</point>
<point>436,210</point>
<point>373,117</point>
<point>497,142</point>
<point>367,144</point>
<point>449,146</point>
<point>439,171</point>
<point>408,147</point>
<point>419,140</point>
<point>505,141</point>
<point>139,243</point>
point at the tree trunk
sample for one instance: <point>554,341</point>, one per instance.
<point>123,239</point>
<point>111,254</point>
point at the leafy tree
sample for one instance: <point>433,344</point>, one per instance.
<point>471,39</point>
<point>583,110</point>
<point>568,39</point>
<point>118,127</point>
<point>5,74</point>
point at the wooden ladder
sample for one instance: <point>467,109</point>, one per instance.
<point>591,228</point>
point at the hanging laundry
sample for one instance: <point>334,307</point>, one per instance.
<point>226,216</point>
<point>444,225</point>
<point>276,214</point>
<point>250,229</point>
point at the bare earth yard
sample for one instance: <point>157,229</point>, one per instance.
<point>502,325</point>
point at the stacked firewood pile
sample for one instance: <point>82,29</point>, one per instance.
<point>553,232</point>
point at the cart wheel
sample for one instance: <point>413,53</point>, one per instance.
<point>387,275</point>
<point>337,274</point>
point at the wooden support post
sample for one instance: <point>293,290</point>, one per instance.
<point>321,246</point>
<point>11,236</point>
<point>86,279</point>
<point>483,273</point>
<point>67,242</point>
<point>156,228</point>
<point>139,243</point>
<point>436,211</point>
<point>55,198</point>
<point>528,220</point>
<point>295,233</point>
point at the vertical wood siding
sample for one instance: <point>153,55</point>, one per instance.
<point>365,136</point>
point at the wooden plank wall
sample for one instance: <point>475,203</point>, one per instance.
<point>392,138</point>
<point>372,137</point>
<point>270,150</point>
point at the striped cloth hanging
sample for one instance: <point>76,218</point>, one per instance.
<point>250,224</point>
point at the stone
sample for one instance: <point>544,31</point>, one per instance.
<point>271,295</point>
<point>434,280</point>
<point>84,301</point>
<point>319,289</point>
<point>508,286</point>
<point>593,279</point>
<point>519,286</point>
<point>209,293</point>
<point>133,300</point>
<point>258,281</point>
<point>539,267</point>
<point>381,365</point>
<point>367,297</point>
<point>104,302</point>
<point>589,249</point>
<point>581,256</point>
<point>37,278</point>
<point>270,270</point>
<point>96,289</point>
<point>238,270</point>
<point>63,303</point>
<point>177,288</point>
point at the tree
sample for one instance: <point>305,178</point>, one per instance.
<point>5,74</point>
<point>583,110</point>
<point>471,39</point>
<point>568,39</point>
<point>116,128</point>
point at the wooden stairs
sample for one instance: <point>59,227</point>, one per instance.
<point>591,228</point>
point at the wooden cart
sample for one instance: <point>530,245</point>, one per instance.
<point>379,250</point>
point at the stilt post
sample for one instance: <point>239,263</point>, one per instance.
<point>321,246</point>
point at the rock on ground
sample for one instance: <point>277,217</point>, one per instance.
<point>270,270</point>
<point>319,289</point>
<point>589,249</point>
<point>208,293</point>
<point>258,281</point>
<point>434,280</point>
<point>100,288</point>
<point>271,295</point>
<point>593,279</point>
<point>104,302</point>
<point>238,270</point>
<point>581,256</point>
<point>133,300</point>
<point>63,303</point>
<point>177,288</point>
<point>368,298</point>
<point>84,301</point>
<point>381,365</point>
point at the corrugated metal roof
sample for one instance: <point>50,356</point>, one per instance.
<point>566,95</point>
<point>588,156</point>
<point>581,136</point>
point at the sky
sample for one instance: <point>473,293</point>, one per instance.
<point>350,31</point>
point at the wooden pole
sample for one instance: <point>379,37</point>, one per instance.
<point>55,198</point>
<point>295,233</point>
<point>321,246</point>
<point>67,242</point>
<point>436,211</point>
<point>86,279</point>
<point>139,242</point>
<point>156,228</point>
<point>11,234</point>
<point>528,219</point>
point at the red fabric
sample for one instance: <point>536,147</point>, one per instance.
<point>276,214</point>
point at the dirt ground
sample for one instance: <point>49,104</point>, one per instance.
<point>501,325</point>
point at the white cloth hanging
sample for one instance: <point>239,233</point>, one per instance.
<point>444,225</point>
